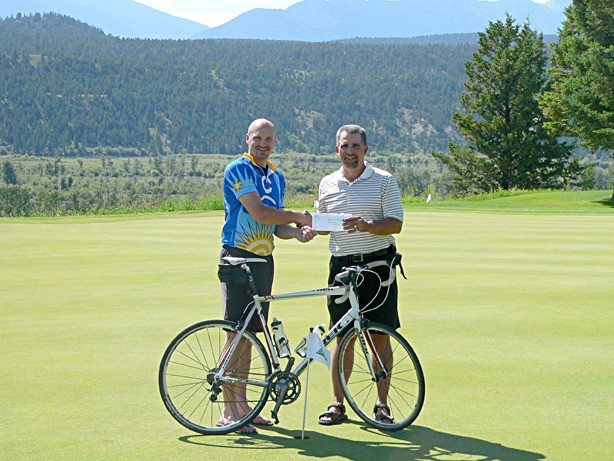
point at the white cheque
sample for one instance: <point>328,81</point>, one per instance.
<point>328,221</point>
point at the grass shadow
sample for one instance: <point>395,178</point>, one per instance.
<point>607,202</point>
<point>415,443</point>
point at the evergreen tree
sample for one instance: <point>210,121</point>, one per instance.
<point>506,144</point>
<point>8,173</point>
<point>67,87</point>
<point>580,100</point>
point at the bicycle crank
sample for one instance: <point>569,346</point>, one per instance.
<point>285,385</point>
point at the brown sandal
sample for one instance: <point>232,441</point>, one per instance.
<point>380,416</point>
<point>335,418</point>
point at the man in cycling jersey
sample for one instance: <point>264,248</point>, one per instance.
<point>254,213</point>
<point>372,197</point>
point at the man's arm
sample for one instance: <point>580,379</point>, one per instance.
<point>386,226</point>
<point>392,206</point>
<point>273,216</point>
<point>302,234</point>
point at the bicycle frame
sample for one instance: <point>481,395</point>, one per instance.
<point>352,315</point>
<point>216,376</point>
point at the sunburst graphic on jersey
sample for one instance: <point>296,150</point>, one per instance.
<point>255,240</point>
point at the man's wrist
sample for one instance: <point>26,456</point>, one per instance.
<point>297,218</point>
<point>292,218</point>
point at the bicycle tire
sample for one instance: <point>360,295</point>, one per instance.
<point>405,382</point>
<point>187,363</point>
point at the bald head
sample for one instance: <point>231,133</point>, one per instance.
<point>260,123</point>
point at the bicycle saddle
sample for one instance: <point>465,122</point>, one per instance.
<point>233,261</point>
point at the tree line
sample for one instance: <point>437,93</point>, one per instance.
<point>520,118</point>
<point>68,89</point>
<point>524,118</point>
<point>51,186</point>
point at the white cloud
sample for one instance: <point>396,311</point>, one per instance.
<point>213,13</point>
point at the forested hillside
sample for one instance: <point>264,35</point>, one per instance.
<point>67,89</point>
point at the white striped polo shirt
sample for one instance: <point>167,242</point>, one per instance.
<point>374,195</point>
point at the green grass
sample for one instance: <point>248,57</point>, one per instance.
<point>585,202</point>
<point>510,313</point>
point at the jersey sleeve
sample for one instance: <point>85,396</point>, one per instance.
<point>240,179</point>
<point>282,192</point>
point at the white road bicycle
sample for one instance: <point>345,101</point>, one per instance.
<point>203,370</point>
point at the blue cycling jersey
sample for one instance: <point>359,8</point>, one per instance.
<point>240,230</point>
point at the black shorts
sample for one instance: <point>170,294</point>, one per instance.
<point>236,297</point>
<point>387,313</point>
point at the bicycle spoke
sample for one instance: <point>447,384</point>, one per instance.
<point>190,388</point>
<point>402,388</point>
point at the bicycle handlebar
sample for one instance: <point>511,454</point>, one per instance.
<point>345,276</point>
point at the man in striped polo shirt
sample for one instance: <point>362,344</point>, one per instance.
<point>372,197</point>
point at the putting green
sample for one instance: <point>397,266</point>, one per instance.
<point>511,315</point>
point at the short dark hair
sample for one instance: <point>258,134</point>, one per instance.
<point>352,129</point>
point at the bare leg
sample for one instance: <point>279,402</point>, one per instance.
<point>235,394</point>
<point>347,367</point>
<point>382,346</point>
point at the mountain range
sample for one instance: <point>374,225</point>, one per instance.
<point>121,18</point>
<point>323,20</point>
<point>308,20</point>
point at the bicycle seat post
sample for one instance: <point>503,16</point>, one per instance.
<point>252,285</point>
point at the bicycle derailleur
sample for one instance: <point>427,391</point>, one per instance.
<point>215,388</point>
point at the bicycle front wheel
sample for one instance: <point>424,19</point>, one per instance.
<point>190,385</point>
<point>400,384</point>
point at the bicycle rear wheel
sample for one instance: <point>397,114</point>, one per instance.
<point>188,386</point>
<point>403,387</point>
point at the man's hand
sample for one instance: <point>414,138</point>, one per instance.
<point>355,224</point>
<point>305,234</point>
<point>275,216</point>
<point>385,226</point>
<point>304,219</point>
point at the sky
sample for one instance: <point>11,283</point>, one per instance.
<point>213,13</point>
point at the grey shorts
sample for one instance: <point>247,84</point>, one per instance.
<point>237,297</point>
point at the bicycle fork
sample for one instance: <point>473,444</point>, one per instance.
<point>366,342</point>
